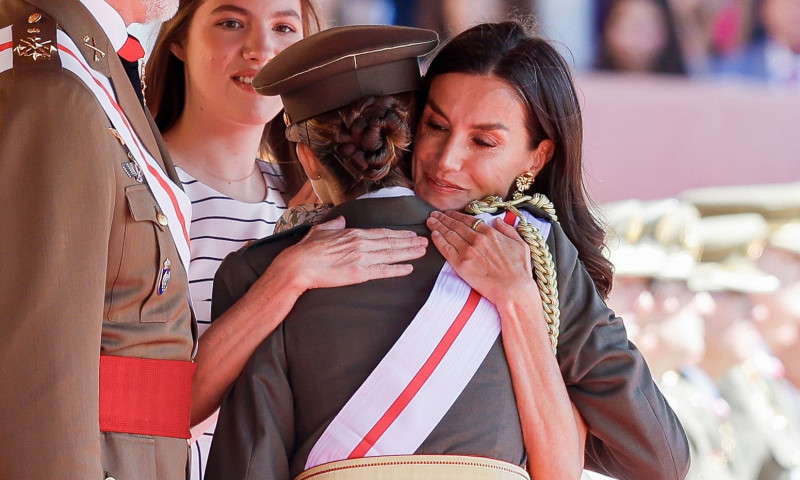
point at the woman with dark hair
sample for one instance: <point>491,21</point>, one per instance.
<point>500,104</point>
<point>638,36</point>
<point>392,367</point>
<point>353,375</point>
<point>239,172</point>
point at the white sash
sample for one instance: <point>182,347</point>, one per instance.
<point>421,376</point>
<point>172,200</point>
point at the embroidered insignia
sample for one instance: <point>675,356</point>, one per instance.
<point>89,42</point>
<point>133,171</point>
<point>35,48</point>
<point>34,17</point>
<point>164,277</point>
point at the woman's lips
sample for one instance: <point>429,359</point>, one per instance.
<point>442,185</point>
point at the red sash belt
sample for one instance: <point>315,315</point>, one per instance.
<point>145,396</point>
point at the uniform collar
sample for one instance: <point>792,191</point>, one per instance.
<point>405,210</point>
<point>389,192</point>
<point>109,20</point>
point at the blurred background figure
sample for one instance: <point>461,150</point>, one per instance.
<point>748,378</point>
<point>638,36</point>
<point>773,52</point>
<point>727,272</point>
<point>635,264</point>
<point>778,314</point>
<point>695,23</point>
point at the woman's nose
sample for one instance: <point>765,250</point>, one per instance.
<point>257,47</point>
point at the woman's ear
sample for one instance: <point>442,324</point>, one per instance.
<point>178,49</point>
<point>308,160</point>
<point>542,154</point>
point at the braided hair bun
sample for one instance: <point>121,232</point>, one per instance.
<point>365,145</point>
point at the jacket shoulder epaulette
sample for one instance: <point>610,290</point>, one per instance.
<point>34,40</point>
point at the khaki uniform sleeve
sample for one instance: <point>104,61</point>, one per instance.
<point>56,200</point>
<point>633,433</point>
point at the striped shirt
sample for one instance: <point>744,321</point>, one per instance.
<point>221,225</point>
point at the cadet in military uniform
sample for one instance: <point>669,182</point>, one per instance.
<point>97,331</point>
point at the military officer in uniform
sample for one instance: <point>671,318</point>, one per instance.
<point>760,388</point>
<point>97,331</point>
<point>765,444</point>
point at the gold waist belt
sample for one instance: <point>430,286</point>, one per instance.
<point>416,467</point>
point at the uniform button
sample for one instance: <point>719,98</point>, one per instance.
<point>162,219</point>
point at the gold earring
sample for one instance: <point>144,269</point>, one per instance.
<point>523,182</point>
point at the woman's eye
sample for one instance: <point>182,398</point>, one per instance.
<point>484,142</point>
<point>285,28</point>
<point>231,24</point>
<point>433,125</point>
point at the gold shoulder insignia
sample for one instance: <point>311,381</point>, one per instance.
<point>34,38</point>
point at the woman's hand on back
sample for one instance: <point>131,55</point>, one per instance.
<point>331,255</point>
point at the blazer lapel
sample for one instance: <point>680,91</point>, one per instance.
<point>129,102</point>
<point>78,23</point>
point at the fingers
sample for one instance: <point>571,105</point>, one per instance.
<point>335,224</point>
<point>508,230</point>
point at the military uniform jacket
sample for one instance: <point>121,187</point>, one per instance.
<point>303,374</point>
<point>81,251</point>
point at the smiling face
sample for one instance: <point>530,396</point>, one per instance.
<point>228,41</point>
<point>472,141</point>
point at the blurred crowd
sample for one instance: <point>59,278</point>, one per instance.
<point>750,39</point>
<point>708,284</point>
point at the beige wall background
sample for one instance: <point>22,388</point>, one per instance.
<point>652,137</point>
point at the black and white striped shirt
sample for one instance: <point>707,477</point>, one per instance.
<point>221,225</point>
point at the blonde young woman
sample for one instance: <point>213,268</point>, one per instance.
<point>217,130</point>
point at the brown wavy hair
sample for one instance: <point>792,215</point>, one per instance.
<point>365,145</point>
<point>533,67</point>
<point>166,87</point>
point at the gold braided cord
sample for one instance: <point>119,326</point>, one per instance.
<point>543,265</point>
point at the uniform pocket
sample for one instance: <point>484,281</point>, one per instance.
<point>143,264</point>
<point>127,456</point>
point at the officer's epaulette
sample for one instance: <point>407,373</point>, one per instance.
<point>35,43</point>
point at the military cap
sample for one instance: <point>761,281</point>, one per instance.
<point>786,236</point>
<point>335,67</point>
<point>775,202</point>
<point>628,252</point>
<point>674,225</point>
<point>731,244</point>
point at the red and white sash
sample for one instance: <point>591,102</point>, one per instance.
<point>417,382</point>
<point>171,199</point>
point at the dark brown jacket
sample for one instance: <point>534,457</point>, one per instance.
<point>301,376</point>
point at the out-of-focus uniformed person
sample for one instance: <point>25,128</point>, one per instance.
<point>776,313</point>
<point>97,331</point>
<point>636,261</point>
<point>766,445</point>
<point>673,337</point>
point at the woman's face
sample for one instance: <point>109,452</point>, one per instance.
<point>635,34</point>
<point>227,42</point>
<point>471,141</point>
